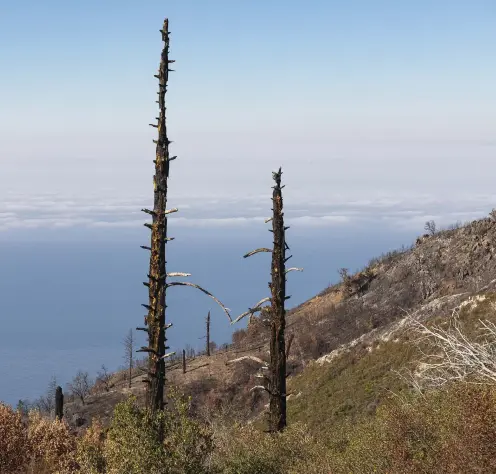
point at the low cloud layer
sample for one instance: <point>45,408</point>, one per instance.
<point>18,211</point>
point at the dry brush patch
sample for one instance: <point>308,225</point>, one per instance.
<point>447,431</point>
<point>13,440</point>
<point>52,445</point>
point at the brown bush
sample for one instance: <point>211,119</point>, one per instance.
<point>238,336</point>
<point>52,445</point>
<point>447,432</point>
<point>13,440</point>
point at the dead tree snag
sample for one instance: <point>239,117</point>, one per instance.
<point>277,370</point>
<point>155,319</point>
<point>275,381</point>
<point>59,403</point>
<point>157,282</point>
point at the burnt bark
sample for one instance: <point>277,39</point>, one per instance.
<point>277,365</point>
<point>155,319</point>
<point>59,403</point>
<point>184,361</point>
<point>275,381</point>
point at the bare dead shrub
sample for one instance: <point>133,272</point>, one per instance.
<point>430,227</point>
<point>80,386</point>
<point>129,347</point>
<point>46,402</point>
<point>103,381</point>
<point>453,356</point>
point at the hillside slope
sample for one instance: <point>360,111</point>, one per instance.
<point>349,340</point>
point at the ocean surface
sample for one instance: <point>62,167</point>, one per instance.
<point>68,297</point>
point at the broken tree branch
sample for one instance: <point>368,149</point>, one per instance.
<point>170,354</point>
<point>259,387</point>
<point>255,309</point>
<point>194,285</point>
<point>260,250</point>
<point>294,269</point>
<point>247,357</point>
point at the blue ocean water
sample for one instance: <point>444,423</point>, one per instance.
<point>68,298</point>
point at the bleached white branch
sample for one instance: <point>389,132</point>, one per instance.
<point>198,287</point>
<point>258,387</point>
<point>170,211</point>
<point>251,311</point>
<point>262,301</point>
<point>170,354</point>
<point>178,274</point>
<point>247,357</point>
<point>268,220</point>
<point>294,269</point>
<point>260,250</point>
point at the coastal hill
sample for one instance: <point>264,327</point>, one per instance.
<point>349,344</point>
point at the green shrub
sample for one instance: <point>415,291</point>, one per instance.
<point>90,454</point>
<point>188,442</point>
<point>246,450</point>
<point>133,443</point>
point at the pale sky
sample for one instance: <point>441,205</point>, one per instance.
<point>387,104</point>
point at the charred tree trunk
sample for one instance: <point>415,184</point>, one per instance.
<point>275,381</point>
<point>155,319</point>
<point>277,365</point>
<point>59,403</point>
<point>208,334</point>
<point>155,324</point>
<point>184,361</point>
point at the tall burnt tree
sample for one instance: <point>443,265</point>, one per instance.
<point>275,382</point>
<point>155,321</point>
<point>277,366</point>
